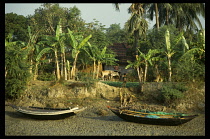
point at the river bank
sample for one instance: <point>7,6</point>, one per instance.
<point>91,122</point>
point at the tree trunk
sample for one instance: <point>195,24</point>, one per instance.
<point>145,72</point>
<point>169,69</point>
<point>36,71</point>
<point>139,74</point>
<point>73,70</point>
<point>167,16</point>
<point>68,70</point>
<point>98,68</point>
<point>62,65</point>
<point>94,69</point>
<point>57,65</point>
<point>136,39</point>
<point>156,16</point>
<point>65,70</point>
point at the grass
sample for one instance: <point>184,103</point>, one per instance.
<point>119,84</point>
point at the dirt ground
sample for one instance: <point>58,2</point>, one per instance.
<point>97,119</point>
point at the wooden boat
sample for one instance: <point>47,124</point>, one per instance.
<point>47,113</point>
<point>149,117</point>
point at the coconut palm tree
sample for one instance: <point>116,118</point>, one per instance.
<point>183,15</point>
<point>136,24</point>
<point>152,8</point>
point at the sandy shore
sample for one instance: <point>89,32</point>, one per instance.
<point>89,123</point>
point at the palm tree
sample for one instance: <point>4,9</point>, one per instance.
<point>136,25</point>
<point>183,15</point>
<point>77,47</point>
<point>151,9</point>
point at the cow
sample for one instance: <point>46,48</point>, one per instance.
<point>109,74</point>
<point>115,74</point>
<point>106,73</point>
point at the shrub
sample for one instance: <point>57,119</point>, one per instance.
<point>87,79</point>
<point>171,92</point>
<point>46,77</point>
<point>17,71</point>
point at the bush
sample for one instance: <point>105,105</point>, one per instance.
<point>46,77</point>
<point>87,79</point>
<point>171,92</point>
<point>17,69</point>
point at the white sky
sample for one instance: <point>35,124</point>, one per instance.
<point>105,13</point>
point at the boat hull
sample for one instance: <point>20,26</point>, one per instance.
<point>47,113</point>
<point>49,117</point>
<point>153,121</point>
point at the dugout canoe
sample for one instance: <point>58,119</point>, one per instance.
<point>44,113</point>
<point>149,117</point>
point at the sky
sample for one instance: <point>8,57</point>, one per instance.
<point>105,13</point>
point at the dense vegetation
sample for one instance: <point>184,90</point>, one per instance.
<point>63,46</point>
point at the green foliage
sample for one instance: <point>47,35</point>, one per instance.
<point>171,92</point>
<point>115,34</point>
<point>87,79</point>
<point>16,24</point>
<point>119,84</point>
<point>46,77</point>
<point>16,68</point>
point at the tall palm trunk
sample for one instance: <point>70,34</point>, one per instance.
<point>167,16</point>
<point>136,39</point>
<point>156,16</point>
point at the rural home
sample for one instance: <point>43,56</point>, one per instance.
<point>121,50</point>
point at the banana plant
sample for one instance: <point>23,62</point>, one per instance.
<point>136,65</point>
<point>198,47</point>
<point>40,54</point>
<point>91,51</point>
<point>99,56</point>
<point>77,45</point>
<point>148,58</point>
<point>169,53</point>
